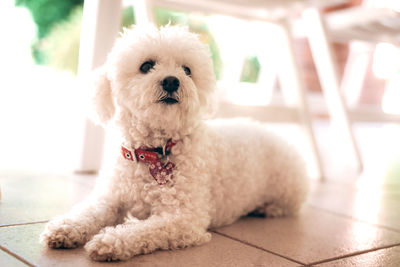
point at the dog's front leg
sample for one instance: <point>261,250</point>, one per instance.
<point>142,237</point>
<point>78,226</point>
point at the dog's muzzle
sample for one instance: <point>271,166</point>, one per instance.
<point>170,85</point>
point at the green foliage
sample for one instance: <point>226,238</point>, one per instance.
<point>128,17</point>
<point>251,70</point>
<point>60,48</point>
<point>46,13</point>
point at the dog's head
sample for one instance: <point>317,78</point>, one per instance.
<point>163,78</point>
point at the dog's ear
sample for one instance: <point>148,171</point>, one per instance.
<point>102,96</point>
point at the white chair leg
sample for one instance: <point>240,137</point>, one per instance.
<point>143,10</point>
<point>327,72</point>
<point>100,26</point>
<point>292,84</point>
<point>355,72</point>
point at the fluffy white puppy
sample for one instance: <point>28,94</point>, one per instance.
<point>177,176</point>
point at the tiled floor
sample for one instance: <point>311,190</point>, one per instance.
<point>347,221</point>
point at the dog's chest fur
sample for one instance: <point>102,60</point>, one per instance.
<point>142,195</point>
<point>216,168</point>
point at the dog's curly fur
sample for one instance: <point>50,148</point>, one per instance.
<point>224,169</point>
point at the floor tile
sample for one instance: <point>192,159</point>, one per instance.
<point>221,251</point>
<point>389,257</point>
<point>35,197</point>
<point>8,260</point>
<point>376,204</point>
<point>312,236</point>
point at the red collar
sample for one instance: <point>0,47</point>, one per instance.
<point>155,157</point>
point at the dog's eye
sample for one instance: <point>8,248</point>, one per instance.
<point>147,66</point>
<point>187,70</point>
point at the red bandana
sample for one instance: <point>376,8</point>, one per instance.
<point>161,172</point>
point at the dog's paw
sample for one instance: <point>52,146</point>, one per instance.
<point>106,247</point>
<point>62,233</point>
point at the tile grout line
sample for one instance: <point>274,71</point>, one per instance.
<point>19,224</point>
<point>354,219</point>
<point>260,248</point>
<point>16,256</point>
<point>354,254</point>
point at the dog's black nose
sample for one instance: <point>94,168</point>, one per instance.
<point>170,84</point>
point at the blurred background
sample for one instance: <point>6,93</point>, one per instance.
<point>43,111</point>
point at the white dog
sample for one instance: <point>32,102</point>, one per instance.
<point>177,176</point>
